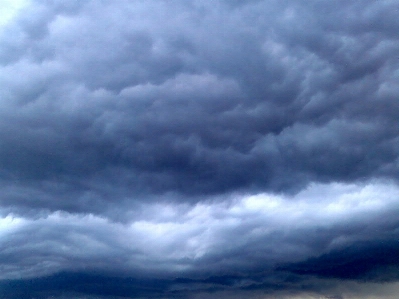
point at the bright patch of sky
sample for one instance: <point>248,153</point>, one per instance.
<point>9,9</point>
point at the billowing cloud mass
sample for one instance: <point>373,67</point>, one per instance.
<point>199,149</point>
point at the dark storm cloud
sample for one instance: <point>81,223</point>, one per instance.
<point>203,147</point>
<point>196,98</point>
<point>257,243</point>
<point>78,285</point>
<point>365,260</point>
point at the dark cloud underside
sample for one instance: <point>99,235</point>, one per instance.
<point>174,146</point>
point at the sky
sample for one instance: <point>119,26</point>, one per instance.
<point>197,149</point>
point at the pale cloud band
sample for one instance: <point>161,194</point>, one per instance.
<point>180,239</point>
<point>190,148</point>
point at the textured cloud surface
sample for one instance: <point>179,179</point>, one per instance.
<point>199,149</point>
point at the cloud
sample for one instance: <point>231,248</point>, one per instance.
<point>361,260</point>
<point>243,242</point>
<point>211,146</point>
<point>255,105</point>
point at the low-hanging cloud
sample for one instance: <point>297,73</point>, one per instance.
<point>258,239</point>
<point>232,145</point>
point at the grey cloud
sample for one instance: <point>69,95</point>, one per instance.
<point>184,110</point>
<point>376,260</point>
<point>252,243</point>
<point>112,108</point>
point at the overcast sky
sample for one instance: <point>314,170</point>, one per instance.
<point>199,149</point>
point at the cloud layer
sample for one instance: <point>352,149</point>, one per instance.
<point>198,147</point>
